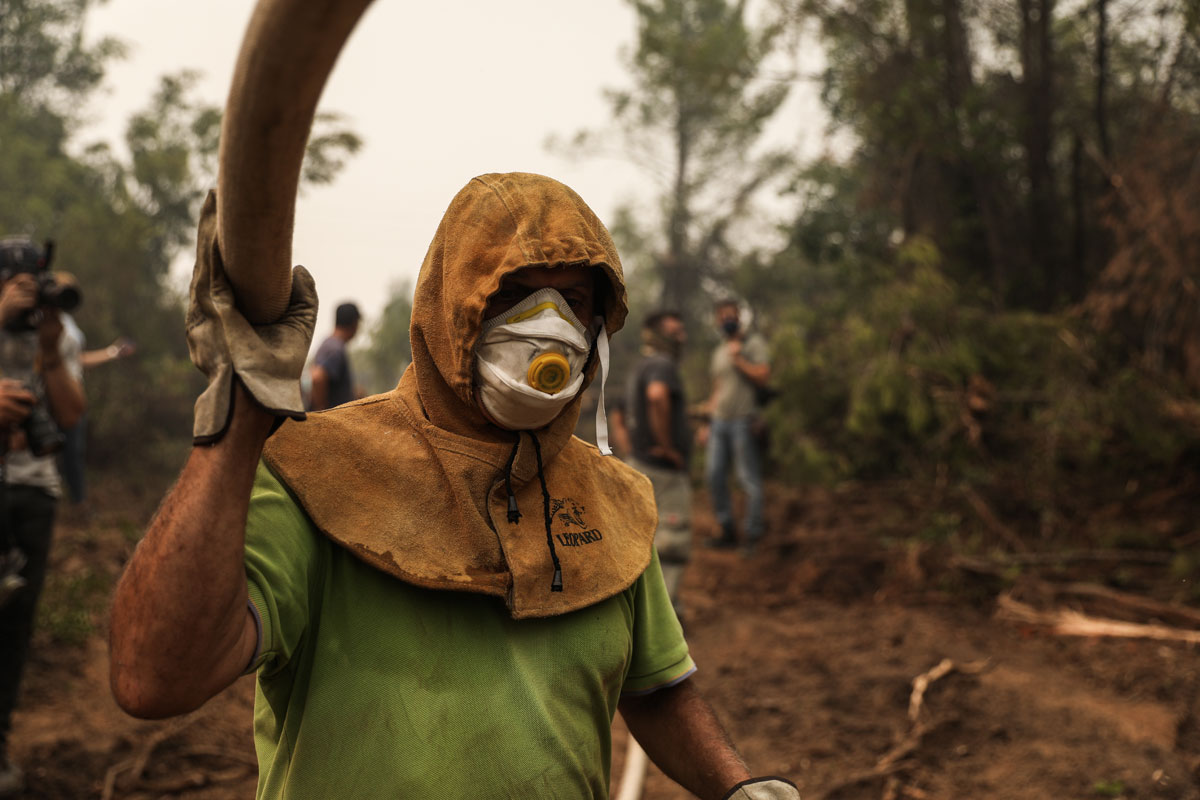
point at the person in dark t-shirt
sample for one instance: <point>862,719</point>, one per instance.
<point>661,441</point>
<point>332,378</point>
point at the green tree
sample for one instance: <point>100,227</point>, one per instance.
<point>990,127</point>
<point>692,118</point>
<point>174,144</point>
<point>118,223</point>
<point>43,60</point>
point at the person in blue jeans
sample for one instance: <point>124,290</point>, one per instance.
<point>739,366</point>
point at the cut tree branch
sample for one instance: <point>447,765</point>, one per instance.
<point>1071,623</point>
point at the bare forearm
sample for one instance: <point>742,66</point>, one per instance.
<point>758,374</point>
<point>94,358</point>
<point>320,390</point>
<point>180,629</point>
<point>659,413</point>
<point>64,395</point>
<point>680,732</point>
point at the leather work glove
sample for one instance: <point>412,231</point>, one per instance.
<point>764,789</point>
<point>268,359</point>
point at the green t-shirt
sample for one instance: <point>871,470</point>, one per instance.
<point>369,687</point>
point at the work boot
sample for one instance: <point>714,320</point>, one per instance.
<point>726,541</point>
<point>751,545</point>
<point>12,780</point>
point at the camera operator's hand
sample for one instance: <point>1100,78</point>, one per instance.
<point>15,402</point>
<point>49,332</point>
<point>268,359</point>
<point>18,295</point>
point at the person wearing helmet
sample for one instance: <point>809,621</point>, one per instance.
<point>443,593</point>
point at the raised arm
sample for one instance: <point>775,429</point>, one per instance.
<point>181,627</point>
<point>121,348</point>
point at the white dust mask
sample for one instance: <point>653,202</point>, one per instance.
<point>529,362</point>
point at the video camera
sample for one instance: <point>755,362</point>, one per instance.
<point>18,254</point>
<point>18,341</point>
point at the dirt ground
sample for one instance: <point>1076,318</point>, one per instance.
<point>809,651</point>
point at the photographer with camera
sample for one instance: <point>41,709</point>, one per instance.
<point>40,394</point>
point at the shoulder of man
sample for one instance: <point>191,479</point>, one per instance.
<point>658,367</point>
<point>755,349</point>
<point>651,363</point>
<point>330,349</point>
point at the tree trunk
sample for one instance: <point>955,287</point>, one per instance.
<point>1102,78</point>
<point>1073,286</point>
<point>985,185</point>
<point>1035,287</point>
<point>676,262</point>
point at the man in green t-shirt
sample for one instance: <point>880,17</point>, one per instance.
<point>442,592</point>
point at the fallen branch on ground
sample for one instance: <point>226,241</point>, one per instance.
<point>136,765</point>
<point>997,566</point>
<point>1167,612</point>
<point>1072,623</point>
<point>1119,602</point>
<point>133,769</point>
<point>872,774</point>
<point>203,751</point>
<point>921,683</point>
<point>893,761</point>
<point>196,779</point>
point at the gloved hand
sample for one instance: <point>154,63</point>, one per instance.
<point>764,789</point>
<point>268,359</point>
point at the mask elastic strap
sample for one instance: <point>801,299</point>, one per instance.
<point>601,415</point>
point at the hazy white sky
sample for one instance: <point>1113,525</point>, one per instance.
<point>440,92</point>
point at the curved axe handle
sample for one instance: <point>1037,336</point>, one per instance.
<point>287,54</point>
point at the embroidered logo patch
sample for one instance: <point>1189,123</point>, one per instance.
<point>569,514</point>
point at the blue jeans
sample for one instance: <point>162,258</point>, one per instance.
<point>732,440</point>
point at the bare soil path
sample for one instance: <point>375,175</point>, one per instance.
<point>808,650</point>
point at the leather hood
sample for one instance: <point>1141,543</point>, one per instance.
<point>415,481</point>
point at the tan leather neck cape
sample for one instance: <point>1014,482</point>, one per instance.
<point>416,482</point>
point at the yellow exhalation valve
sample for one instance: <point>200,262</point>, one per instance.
<point>549,373</point>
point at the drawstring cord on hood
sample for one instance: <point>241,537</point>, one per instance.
<point>556,585</point>
<point>514,513</point>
